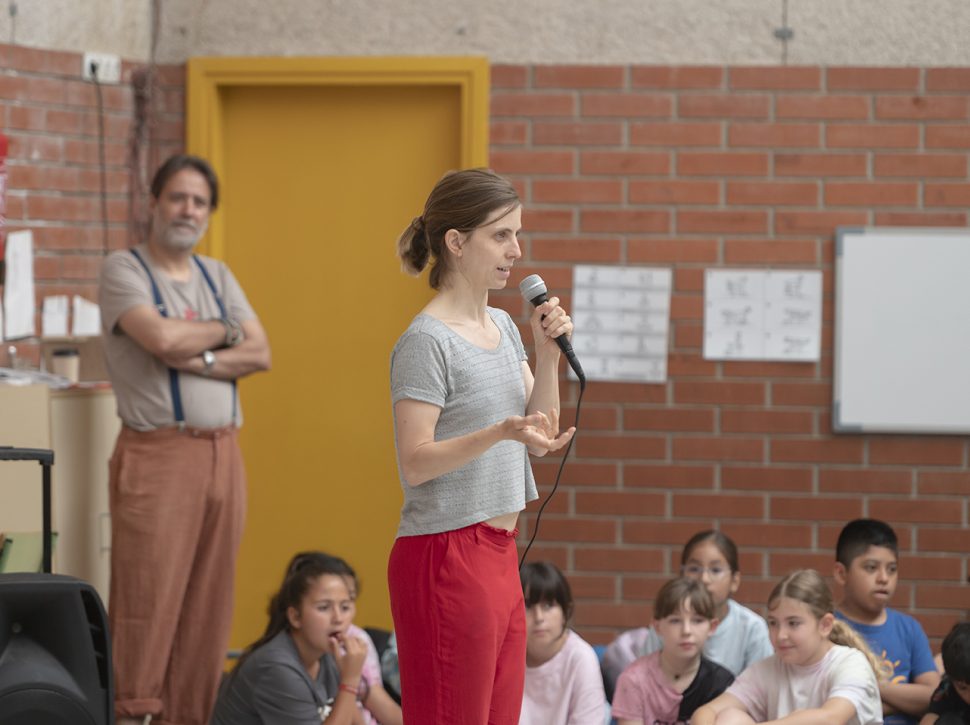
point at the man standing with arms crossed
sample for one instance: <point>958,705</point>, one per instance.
<point>178,332</point>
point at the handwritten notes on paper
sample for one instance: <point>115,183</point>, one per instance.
<point>621,315</point>
<point>753,314</point>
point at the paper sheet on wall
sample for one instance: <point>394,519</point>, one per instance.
<point>86,319</point>
<point>753,314</point>
<point>18,290</point>
<point>53,318</point>
<point>621,317</point>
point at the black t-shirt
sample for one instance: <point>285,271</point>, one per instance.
<point>711,680</point>
<point>946,699</point>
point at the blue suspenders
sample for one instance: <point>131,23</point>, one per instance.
<point>173,374</point>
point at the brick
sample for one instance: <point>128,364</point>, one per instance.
<point>689,336</point>
<point>722,222</point>
<point>595,417</point>
<point>35,60</point>
<point>63,208</point>
<point>43,178</point>
<point>574,529</point>
<point>680,77</point>
<point>817,451</point>
<point>725,163</point>
<point>816,222</point>
<point>772,193</point>
<point>580,133</point>
<point>865,480</point>
<point>956,483</point>
<point>698,420</point>
<point>689,280</point>
<point>782,563</point>
<point>920,165</point>
<point>920,219</point>
<point>820,164</point>
<point>590,446</point>
<point>719,393</point>
<point>811,394</point>
<point>872,79</point>
<point>937,625</point>
<point>703,448</point>
<point>35,148</point>
<point>675,134</point>
<point>619,560</point>
<point>767,478</point>
<point>605,392</point>
<point>916,451</point>
<point>621,503</point>
<point>719,506</point>
<point>686,307</point>
<point>585,250</point>
<point>508,76</point>
<point>774,251</point>
<point>946,136</point>
<point>914,511</point>
<point>77,266</point>
<point>533,104</point>
<point>770,78</point>
<point>547,220</point>
<point>868,193</point>
<point>816,508</point>
<point>766,421</point>
<point>626,105</point>
<point>588,191</point>
<point>577,473</point>
<point>948,79</point>
<point>578,76</point>
<point>532,162</point>
<point>623,220</point>
<point>667,476</point>
<point>775,135</point>
<point>954,539</point>
<point>940,597</point>
<point>922,108</point>
<point>769,535</point>
<point>871,135</point>
<point>822,107</point>
<point>558,504</point>
<point>507,132</point>
<point>674,191</point>
<point>625,163</point>
<point>592,587</point>
<point>930,568</point>
<point>27,118</point>
<point>947,194</point>
<point>755,369</point>
<point>612,615</point>
<point>672,533</point>
<point>689,365</point>
<point>733,105</point>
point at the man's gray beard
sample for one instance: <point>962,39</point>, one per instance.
<point>181,243</point>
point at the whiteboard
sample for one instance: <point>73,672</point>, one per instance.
<point>902,330</point>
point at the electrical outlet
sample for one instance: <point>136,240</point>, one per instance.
<point>108,67</point>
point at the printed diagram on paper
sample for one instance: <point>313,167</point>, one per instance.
<point>753,314</point>
<point>621,315</point>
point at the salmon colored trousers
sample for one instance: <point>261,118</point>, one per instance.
<point>178,505</point>
<point>459,618</point>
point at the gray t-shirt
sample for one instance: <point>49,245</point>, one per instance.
<point>272,687</point>
<point>474,388</point>
<point>141,380</point>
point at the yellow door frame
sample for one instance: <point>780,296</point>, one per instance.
<point>208,76</point>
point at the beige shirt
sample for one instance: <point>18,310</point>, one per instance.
<point>140,380</point>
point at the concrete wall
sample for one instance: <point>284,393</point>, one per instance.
<point>738,32</point>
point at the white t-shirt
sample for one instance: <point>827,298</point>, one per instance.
<point>771,689</point>
<point>566,690</point>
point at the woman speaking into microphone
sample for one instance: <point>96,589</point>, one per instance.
<point>467,412</point>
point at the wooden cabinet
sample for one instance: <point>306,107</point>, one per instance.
<point>80,425</point>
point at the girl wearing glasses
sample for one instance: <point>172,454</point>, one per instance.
<point>741,637</point>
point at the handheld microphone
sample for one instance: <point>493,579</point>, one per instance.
<point>534,290</point>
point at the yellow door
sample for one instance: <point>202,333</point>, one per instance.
<point>318,182</point>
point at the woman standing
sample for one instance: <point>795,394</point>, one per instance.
<point>467,410</point>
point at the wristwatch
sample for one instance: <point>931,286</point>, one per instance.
<point>208,359</point>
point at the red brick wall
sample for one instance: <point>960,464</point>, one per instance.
<point>703,166</point>
<point>50,116</point>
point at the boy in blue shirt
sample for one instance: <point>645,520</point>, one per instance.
<point>950,704</point>
<point>867,567</point>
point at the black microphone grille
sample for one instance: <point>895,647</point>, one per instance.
<point>532,287</point>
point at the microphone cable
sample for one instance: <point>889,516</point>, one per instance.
<point>565,456</point>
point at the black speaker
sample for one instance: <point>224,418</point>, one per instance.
<point>55,652</point>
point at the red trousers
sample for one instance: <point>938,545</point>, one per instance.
<point>178,504</point>
<point>460,623</point>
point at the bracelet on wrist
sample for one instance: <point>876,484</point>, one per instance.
<point>344,687</point>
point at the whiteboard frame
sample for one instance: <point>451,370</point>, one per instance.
<point>900,387</point>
